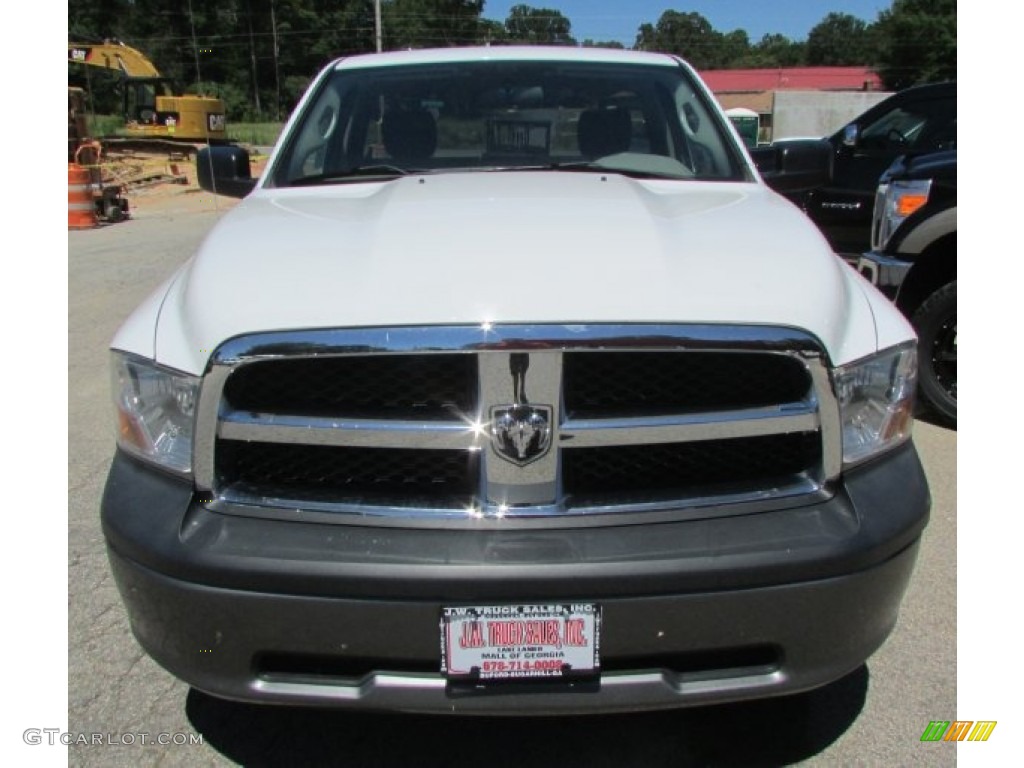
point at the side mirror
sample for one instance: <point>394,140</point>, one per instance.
<point>850,135</point>
<point>791,167</point>
<point>224,171</point>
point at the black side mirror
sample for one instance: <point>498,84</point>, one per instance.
<point>791,167</point>
<point>224,171</point>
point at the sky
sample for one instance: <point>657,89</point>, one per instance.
<point>606,20</point>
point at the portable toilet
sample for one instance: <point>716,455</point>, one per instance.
<point>747,123</point>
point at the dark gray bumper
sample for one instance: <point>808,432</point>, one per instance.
<point>707,610</point>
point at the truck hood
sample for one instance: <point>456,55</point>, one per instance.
<point>933,165</point>
<point>510,247</point>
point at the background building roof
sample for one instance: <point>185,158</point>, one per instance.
<point>792,78</point>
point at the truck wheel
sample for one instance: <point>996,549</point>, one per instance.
<point>935,322</point>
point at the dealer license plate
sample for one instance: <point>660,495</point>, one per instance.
<point>521,642</point>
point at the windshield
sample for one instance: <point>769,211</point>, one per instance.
<point>641,120</point>
<point>922,127</point>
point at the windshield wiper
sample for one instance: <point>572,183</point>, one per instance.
<point>580,165</point>
<point>359,172</point>
<point>593,166</point>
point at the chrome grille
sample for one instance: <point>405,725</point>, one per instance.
<point>516,421</point>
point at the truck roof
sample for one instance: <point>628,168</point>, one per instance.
<point>506,53</point>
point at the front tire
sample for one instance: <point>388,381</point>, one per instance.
<point>935,322</point>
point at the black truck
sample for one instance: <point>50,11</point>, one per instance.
<point>913,261</point>
<point>888,206</point>
<point>914,121</point>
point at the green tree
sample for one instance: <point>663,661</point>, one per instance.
<point>588,43</point>
<point>917,42</point>
<point>538,26</point>
<point>431,23</point>
<point>775,50</point>
<point>840,40</point>
<point>733,49</point>
<point>688,35</point>
<point>90,21</point>
<point>491,32</point>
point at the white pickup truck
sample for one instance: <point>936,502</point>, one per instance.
<point>512,387</point>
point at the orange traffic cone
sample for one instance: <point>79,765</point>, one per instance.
<point>81,206</point>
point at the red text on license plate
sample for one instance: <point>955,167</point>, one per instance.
<point>520,641</point>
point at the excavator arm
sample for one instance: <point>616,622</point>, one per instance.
<point>113,55</point>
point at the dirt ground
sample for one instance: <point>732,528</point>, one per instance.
<point>166,183</point>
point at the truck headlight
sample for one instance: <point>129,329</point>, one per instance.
<point>900,200</point>
<point>155,411</point>
<point>876,402</point>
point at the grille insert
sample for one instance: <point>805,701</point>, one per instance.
<point>646,472</point>
<point>381,476</point>
<point>420,387</point>
<point>625,384</point>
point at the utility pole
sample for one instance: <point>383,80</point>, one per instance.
<point>377,25</point>
<point>277,72</point>
<point>195,44</point>
<point>252,57</point>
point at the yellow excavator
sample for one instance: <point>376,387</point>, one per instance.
<point>152,109</point>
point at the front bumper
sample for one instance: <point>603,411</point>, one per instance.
<point>695,612</point>
<point>884,272</point>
